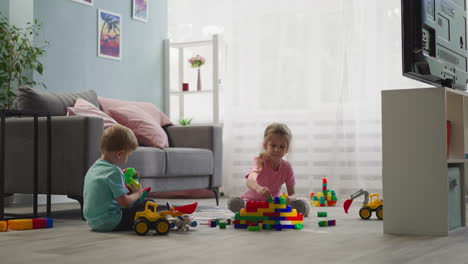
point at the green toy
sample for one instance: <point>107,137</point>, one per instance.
<point>131,182</point>
<point>131,179</point>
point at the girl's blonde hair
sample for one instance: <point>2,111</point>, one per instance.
<point>117,138</point>
<point>274,129</point>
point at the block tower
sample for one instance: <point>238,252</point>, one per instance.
<point>271,214</point>
<point>327,198</point>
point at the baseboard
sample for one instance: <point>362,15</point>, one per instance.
<point>27,199</point>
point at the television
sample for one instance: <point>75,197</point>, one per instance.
<point>434,42</point>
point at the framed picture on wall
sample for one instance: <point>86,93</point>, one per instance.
<point>109,35</point>
<point>86,2</point>
<point>140,10</point>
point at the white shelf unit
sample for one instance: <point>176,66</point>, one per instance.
<point>168,92</point>
<point>415,164</point>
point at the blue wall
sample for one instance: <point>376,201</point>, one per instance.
<point>72,63</point>
<point>5,8</point>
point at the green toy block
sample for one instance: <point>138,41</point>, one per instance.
<point>282,200</point>
<point>267,226</point>
<point>217,221</point>
<point>322,223</point>
<point>253,228</point>
<point>298,226</point>
<point>253,218</point>
<point>222,225</point>
<point>334,198</point>
<point>322,214</point>
<point>271,199</point>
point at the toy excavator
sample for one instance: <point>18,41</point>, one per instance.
<point>375,204</point>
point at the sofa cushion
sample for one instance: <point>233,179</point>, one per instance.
<point>56,104</point>
<point>85,108</point>
<point>147,131</point>
<point>149,162</point>
<point>151,109</point>
<point>188,161</point>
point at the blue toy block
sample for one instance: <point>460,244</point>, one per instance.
<point>277,200</point>
<point>49,222</point>
<point>239,226</point>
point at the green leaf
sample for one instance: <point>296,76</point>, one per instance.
<point>40,68</point>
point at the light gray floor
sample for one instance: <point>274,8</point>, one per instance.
<point>351,241</point>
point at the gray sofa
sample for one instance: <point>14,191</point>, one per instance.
<point>193,160</point>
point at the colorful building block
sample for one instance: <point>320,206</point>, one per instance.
<point>27,224</point>
<point>274,214</point>
<point>327,223</point>
<point>325,198</point>
<point>3,226</point>
<point>322,214</point>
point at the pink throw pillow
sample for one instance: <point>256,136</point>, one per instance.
<point>85,108</point>
<point>152,110</point>
<point>147,131</point>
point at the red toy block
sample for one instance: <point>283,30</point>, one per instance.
<point>39,223</point>
<point>271,214</point>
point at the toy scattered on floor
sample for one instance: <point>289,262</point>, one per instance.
<point>322,214</point>
<point>327,223</point>
<point>3,226</point>
<point>375,204</point>
<point>271,214</point>
<point>26,224</point>
<point>325,198</point>
<point>131,182</point>
<point>149,218</point>
<point>222,223</point>
<point>183,222</point>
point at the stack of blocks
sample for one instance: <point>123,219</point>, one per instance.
<point>327,198</point>
<point>271,214</point>
<point>26,224</point>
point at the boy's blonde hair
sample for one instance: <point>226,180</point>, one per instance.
<point>275,129</point>
<point>117,138</point>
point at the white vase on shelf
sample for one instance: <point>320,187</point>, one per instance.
<point>199,81</point>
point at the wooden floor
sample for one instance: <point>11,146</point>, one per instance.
<point>351,241</point>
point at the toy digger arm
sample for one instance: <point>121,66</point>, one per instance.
<point>359,193</point>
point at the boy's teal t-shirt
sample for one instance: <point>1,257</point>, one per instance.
<point>103,183</point>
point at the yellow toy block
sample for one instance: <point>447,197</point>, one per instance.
<point>243,222</point>
<point>3,226</point>
<point>20,224</point>
<point>253,214</point>
<point>293,213</point>
<point>266,210</point>
<point>269,222</point>
<point>280,206</point>
<point>242,212</point>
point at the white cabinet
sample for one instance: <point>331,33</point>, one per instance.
<point>169,92</point>
<point>418,196</point>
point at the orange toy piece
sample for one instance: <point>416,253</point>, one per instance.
<point>3,226</point>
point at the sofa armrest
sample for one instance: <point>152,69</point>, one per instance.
<point>75,147</point>
<point>204,137</point>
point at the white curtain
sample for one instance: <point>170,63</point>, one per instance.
<point>318,66</point>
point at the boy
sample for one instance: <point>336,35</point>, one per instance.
<point>107,203</point>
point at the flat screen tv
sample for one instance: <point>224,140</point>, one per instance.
<point>434,42</point>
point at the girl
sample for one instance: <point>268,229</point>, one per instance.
<point>270,171</point>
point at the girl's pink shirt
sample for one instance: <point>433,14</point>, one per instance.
<point>270,178</point>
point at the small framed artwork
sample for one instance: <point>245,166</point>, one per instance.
<point>109,35</point>
<point>140,10</point>
<point>86,2</point>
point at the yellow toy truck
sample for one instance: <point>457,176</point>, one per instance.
<point>150,219</point>
<point>375,204</point>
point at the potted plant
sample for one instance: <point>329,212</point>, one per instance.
<point>185,121</point>
<point>18,55</point>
